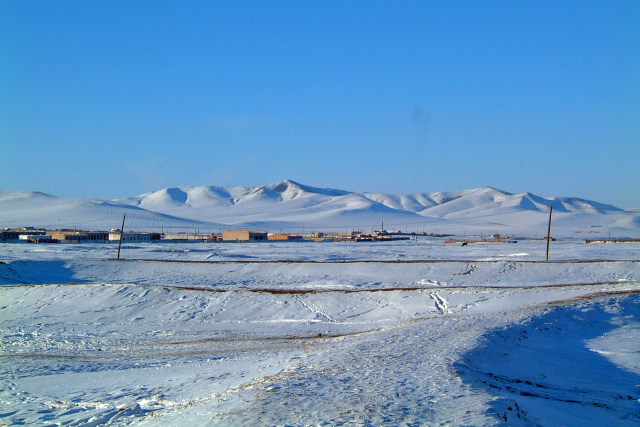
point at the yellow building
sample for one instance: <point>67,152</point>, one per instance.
<point>285,237</point>
<point>244,236</point>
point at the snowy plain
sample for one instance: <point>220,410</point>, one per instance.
<point>414,332</point>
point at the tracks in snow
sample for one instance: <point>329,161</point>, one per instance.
<point>441,303</point>
<point>373,261</point>
<point>280,291</point>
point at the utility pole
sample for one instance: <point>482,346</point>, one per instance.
<point>121,233</point>
<point>549,232</point>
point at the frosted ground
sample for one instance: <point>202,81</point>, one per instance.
<point>405,333</point>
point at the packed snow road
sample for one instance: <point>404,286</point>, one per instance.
<point>478,340</point>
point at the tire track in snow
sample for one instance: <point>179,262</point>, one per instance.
<point>315,309</point>
<point>469,269</point>
<point>370,261</point>
<point>277,291</point>
<point>281,341</point>
<point>441,303</point>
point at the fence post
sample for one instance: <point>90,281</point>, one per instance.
<point>121,233</point>
<point>549,232</point>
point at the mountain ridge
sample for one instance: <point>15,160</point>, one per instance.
<point>421,203</point>
<point>288,203</point>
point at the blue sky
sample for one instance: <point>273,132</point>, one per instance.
<point>113,99</point>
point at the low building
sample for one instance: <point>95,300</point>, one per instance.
<point>190,238</point>
<point>134,236</point>
<point>244,236</point>
<point>285,237</point>
<point>79,236</point>
<point>8,236</point>
<point>12,235</point>
<point>38,238</point>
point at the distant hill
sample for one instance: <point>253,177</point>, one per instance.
<point>36,209</point>
<point>290,206</point>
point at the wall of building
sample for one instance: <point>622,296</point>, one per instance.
<point>286,237</point>
<point>235,235</point>
<point>13,234</point>
<point>134,237</point>
<point>79,236</point>
<point>243,235</point>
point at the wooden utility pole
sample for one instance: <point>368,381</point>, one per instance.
<point>549,232</point>
<point>121,233</point>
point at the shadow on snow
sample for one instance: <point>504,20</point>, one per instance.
<point>544,373</point>
<point>37,272</point>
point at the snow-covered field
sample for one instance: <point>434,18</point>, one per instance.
<point>404,333</point>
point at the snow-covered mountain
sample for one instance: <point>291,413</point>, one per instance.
<point>288,205</point>
<point>36,209</point>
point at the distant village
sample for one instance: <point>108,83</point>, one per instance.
<point>36,235</point>
<point>33,235</point>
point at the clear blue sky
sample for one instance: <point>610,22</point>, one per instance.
<point>116,98</point>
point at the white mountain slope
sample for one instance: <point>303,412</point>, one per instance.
<point>286,202</point>
<point>290,206</point>
<point>36,209</point>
